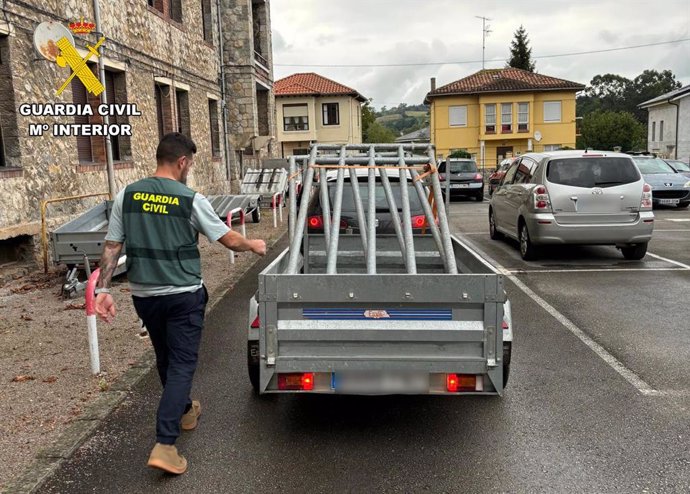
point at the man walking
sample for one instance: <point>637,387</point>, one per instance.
<point>160,219</point>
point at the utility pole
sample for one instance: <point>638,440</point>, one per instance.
<point>485,33</point>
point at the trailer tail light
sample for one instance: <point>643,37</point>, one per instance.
<point>419,221</point>
<point>541,198</point>
<point>316,223</point>
<point>296,381</point>
<point>256,323</point>
<point>478,177</point>
<point>646,202</point>
<point>463,382</point>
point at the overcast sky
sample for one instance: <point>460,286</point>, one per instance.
<point>343,32</point>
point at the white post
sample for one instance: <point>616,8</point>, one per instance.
<point>94,356</point>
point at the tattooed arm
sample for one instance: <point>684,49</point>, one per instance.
<point>105,305</point>
<point>109,258</point>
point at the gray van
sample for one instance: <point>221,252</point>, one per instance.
<point>573,197</point>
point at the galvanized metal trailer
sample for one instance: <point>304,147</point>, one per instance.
<point>377,314</point>
<point>267,182</point>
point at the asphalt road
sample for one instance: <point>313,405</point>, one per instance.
<point>598,399</point>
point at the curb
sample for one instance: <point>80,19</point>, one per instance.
<point>49,459</point>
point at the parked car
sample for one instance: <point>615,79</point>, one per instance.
<point>496,176</point>
<point>348,215</point>
<point>573,197</point>
<point>465,179</point>
<point>669,188</point>
<point>680,166</point>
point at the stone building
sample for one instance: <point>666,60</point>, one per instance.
<point>202,67</point>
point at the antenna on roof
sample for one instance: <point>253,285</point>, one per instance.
<point>485,33</point>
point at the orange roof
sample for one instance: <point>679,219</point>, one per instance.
<point>504,80</point>
<point>311,84</point>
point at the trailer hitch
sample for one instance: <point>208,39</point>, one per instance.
<point>72,286</point>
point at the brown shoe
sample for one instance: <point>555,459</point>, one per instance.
<point>189,419</point>
<point>165,457</point>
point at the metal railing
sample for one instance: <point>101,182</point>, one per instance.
<point>380,158</point>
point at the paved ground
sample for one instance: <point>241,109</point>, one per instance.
<point>598,399</point>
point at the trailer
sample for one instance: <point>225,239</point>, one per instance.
<point>248,203</point>
<point>356,311</point>
<point>269,183</point>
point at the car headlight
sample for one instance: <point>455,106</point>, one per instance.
<point>687,185</point>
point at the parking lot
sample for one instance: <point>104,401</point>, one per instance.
<point>598,399</point>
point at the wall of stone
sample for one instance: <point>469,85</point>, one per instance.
<point>148,46</point>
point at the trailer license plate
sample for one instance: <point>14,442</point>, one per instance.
<point>672,202</point>
<point>380,382</point>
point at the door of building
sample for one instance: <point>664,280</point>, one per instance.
<point>503,152</point>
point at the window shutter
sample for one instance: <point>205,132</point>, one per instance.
<point>79,97</point>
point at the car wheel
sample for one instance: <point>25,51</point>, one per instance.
<point>507,351</point>
<point>256,215</point>
<point>683,205</point>
<point>635,252</point>
<point>480,197</point>
<point>528,250</point>
<point>493,233</point>
<point>253,364</point>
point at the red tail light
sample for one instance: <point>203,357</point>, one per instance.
<point>419,221</point>
<point>316,223</point>
<point>646,202</point>
<point>257,323</point>
<point>541,198</point>
<point>478,177</point>
<point>296,381</point>
<point>505,325</point>
<point>461,382</point>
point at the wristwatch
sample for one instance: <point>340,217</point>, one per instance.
<point>98,291</point>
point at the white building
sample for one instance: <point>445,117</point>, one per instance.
<point>669,124</point>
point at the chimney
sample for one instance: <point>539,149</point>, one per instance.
<point>433,84</point>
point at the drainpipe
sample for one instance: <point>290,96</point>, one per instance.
<point>223,93</point>
<point>104,100</point>
<point>677,105</point>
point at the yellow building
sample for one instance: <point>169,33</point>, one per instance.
<point>498,113</point>
<point>313,109</point>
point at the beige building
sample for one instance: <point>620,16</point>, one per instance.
<point>311,108</point>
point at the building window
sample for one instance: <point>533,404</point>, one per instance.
<point>176,10</point>
<point>215,132</point>
<point>506,118</point>
<point>552,111</point>
<point>10,154</point>
<point>552,147</point>
<point>661,130</point>
<point>183,119</point>
<point>207,20</point>
<point>116,91</point>
<point>523,117</point>
<point>457,116</point>
<point>653,131</point>
<point>490,119</point>
<point>295,118</point>
<point>80,97</point>
<point>164,109</point>
<point>331,113</point>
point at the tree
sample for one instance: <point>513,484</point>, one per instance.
<point>603,130</point>
<point>368,118</point>
<point>377,133</point>
<point>460,154</point>
<point>520,52</point>
<point>611,92</point>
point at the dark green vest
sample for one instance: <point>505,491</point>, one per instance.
<point>160,240</point>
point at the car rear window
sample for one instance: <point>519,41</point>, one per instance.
<point>653,166</point>
<point>592,172</point>
<point>381,202</point>
<point>459,167</point>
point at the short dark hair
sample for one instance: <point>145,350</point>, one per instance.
<point>173,146</point>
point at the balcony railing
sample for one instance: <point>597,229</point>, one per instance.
<point>259,58</point>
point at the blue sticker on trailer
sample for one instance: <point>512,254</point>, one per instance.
<point>322,314</point>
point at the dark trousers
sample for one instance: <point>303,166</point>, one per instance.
<point>174,323</point>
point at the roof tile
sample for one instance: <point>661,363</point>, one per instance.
<point>312,84</point>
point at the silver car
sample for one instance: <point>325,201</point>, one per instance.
<point>573,197</point>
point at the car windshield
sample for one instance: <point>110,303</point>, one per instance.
<point>381,202</point>
<point>680,166</point>
<point>653,166</point>
<point>467,166</point>
<point>592,172</point>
